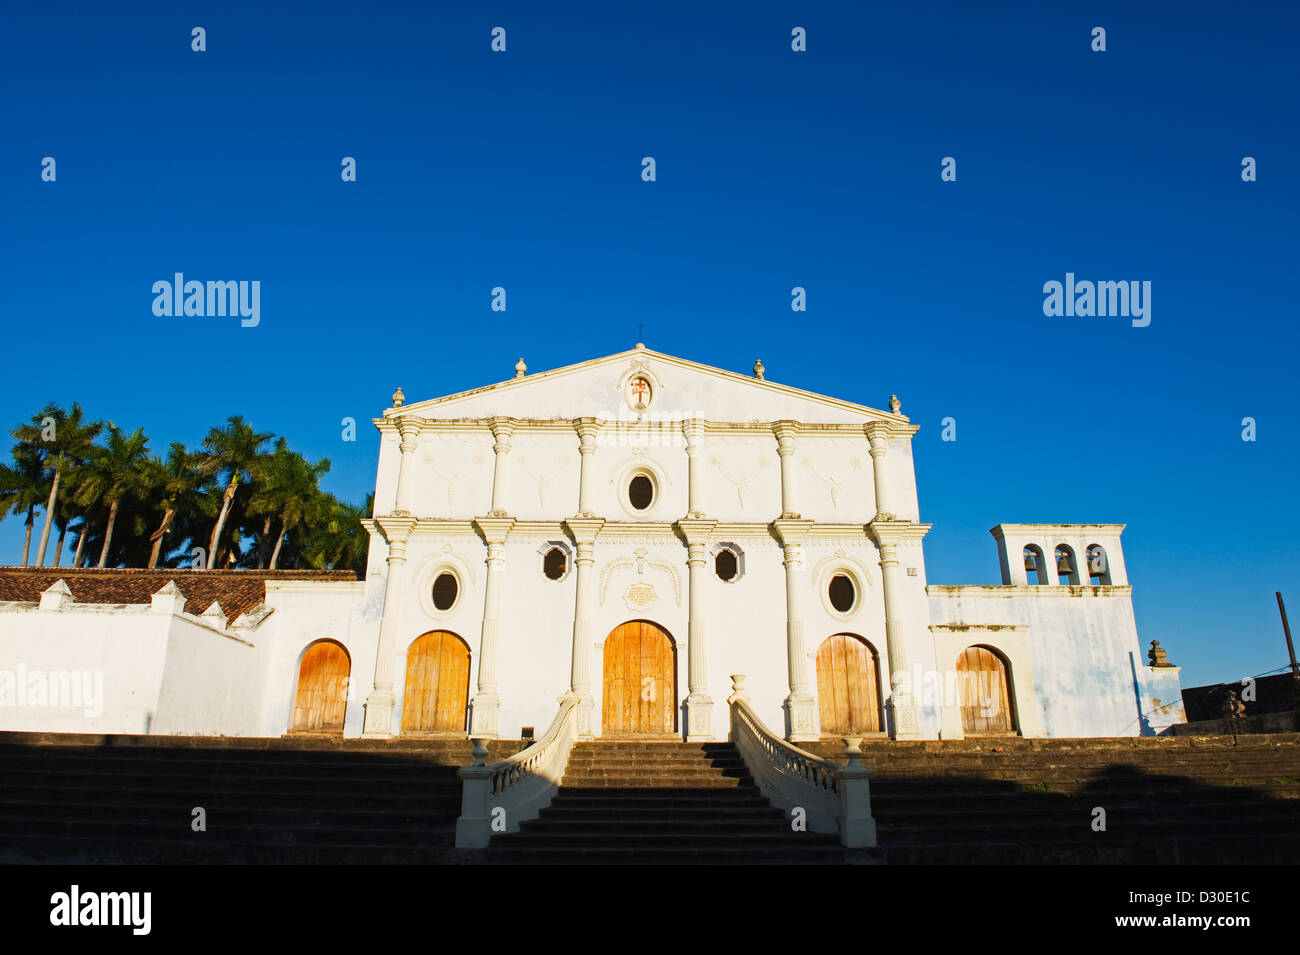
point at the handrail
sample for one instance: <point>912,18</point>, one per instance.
<point>833,798</point>
<point>498,797</point>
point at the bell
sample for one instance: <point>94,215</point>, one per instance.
<point>1031,562</point>
<point>1063,565</point>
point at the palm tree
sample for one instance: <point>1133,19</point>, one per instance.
<point>172,480</point>
<point>290,491</point>
<point>234,452</point>
<point>113,471</point>
<point>22,488</point>
<point>339,541</point>
<point>71,440</point>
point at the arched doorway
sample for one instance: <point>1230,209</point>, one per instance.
<point>322,699</point>
<point>640,682</point>
<point>848,686</point>
<point>437,684</point>
<point>984,685</point>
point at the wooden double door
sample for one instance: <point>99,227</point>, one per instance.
<point>640,681</point>
<point>321,702</point>
<point>985,689</point>
<point>437,684</point>
<point>848,688</point>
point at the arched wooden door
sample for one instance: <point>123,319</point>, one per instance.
<point>322,700</point>
<point>640,682</point>
<point>985,688</point>
<point>848,691</point>
<point>437,684</point>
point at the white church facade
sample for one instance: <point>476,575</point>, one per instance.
<point>631,531</point>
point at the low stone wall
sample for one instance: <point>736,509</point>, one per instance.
<point>1265,723</point>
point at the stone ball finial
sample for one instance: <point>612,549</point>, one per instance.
<point>520,368</point>
<point>1157,655</point>
<point>398,398</point>
<point>759,369</point>
<point>895,405</point>
<point>1233,708</point>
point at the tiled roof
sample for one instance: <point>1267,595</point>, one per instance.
<point>236,590</point>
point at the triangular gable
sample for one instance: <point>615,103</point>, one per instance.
<point>682,388</point>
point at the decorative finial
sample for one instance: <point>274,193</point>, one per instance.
<point>1157,655</point>
<point>759,369</point>
<point>640,346</point>
<point>1233,708</point>
<point>398,398</point>
<point>520,368</point>
<point>895,405</point>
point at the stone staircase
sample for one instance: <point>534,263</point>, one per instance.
<point>100,799</point>
<point>1181,800</point>
<point>646,803</point>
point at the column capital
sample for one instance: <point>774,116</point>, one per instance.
<point>503,427</point>
<point>495,530</point>
<point>693,430</point>
<point>409,426</point>
<point>588,429</point>
<point>890,532</point>
<point>583,530</point>
<point>695,531</point>
<point>786,431</point>
<point>791,532</point>
<point>396,529</point>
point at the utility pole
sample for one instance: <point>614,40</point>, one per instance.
<point>1290,647</point>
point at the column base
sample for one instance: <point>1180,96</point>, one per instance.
<point>905,721</point>
<point>950,719</point>
<point>699,718</point>
<point>801,718</point>
<point>485,716</point>
<point>378,722</point>
<point>586,704</point>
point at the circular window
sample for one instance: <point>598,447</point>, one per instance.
<point>724,565</point>
<point>842,593</point>
<point>641,492</point>
<point>554,563</point>
<point>445,589</point>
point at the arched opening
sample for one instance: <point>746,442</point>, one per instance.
<point>725,565</point>
<point>984,687</point>
<point>321,701</point>
<point>1098,568</point>
<point>1067,565</point>
<point>1035,565</point>
<point>848,686</point>
<point>437,684</point>
<point>640,681</point>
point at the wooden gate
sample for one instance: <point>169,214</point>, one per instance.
<point>322,699</point>
<point>437,684</point>
<point>640,682</point>
<point>848,692</point>
<point>985,692</point>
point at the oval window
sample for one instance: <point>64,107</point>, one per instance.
<point>641,492</point>
<point>842,593</point>
<point>445,589</point>
<point>724,565</point>
<point>554,563</point>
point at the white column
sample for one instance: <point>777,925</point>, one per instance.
<point>379,704</point>
<point>693,429</point>
<point>699,705</point>
<point>785,438</point>
<point>588,429</point>
<point>502,429</point>
<point>410,430</point>
<point>878,435</point>
<point>485,715</point>
<point>799,705</point>
<point>583,531</point>
<point>902,706</point>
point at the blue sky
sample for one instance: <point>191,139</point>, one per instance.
<point>775,169</point>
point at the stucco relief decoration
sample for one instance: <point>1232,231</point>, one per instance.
<point>543,481</point>
<point>640,561</point>
<point>833,484</point>
<point>640,596</point>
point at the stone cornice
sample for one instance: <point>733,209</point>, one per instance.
<point>800,429</point>
<point>696,530</point>
<point>1026,590</point>
<point>584,530</point>
<point>721,530</point>
<point>495,530</point>
<point>791,532</point>
<point>395,527</point>
<point>896,532</point>
<point>1000,530</point>
<point>983,627</point>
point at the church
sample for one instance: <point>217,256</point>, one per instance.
<point>640,533</point>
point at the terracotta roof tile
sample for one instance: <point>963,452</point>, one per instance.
<point>236,590</point>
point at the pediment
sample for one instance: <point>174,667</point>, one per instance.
<point>641,383</point>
